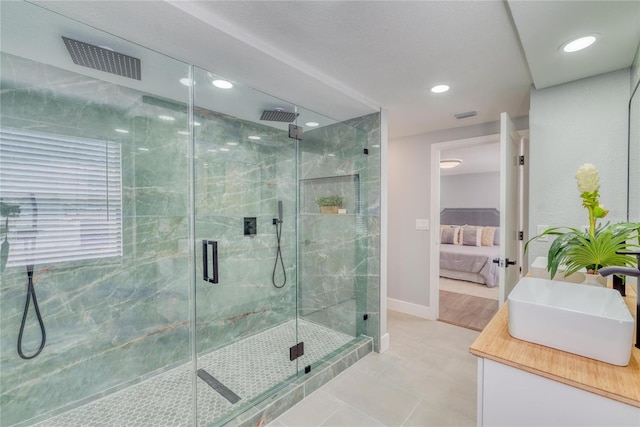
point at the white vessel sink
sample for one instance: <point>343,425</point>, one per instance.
<point>586,320</point>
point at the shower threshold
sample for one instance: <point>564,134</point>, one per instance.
<point>247,367</point>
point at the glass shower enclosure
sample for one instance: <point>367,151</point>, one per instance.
<point>164,259</point>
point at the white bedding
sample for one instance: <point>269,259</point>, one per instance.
<point>471,261</point>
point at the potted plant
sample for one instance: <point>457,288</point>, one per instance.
<point>330,204</point>
<point>596,247</point>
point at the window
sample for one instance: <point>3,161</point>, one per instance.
<point>61,197</point>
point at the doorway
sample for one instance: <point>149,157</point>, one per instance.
<point>468,200</point>
<point>513,171</point>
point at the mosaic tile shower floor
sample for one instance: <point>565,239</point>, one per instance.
<point>248,368</point>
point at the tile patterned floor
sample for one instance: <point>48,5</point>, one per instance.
<point>426,378</point>
<point>247,367</point>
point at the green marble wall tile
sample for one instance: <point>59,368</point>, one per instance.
<point>338,271</point>
<point>112,320</point>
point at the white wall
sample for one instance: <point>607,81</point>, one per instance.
<point>408,248</point>
<point>474,190</point>
<point>635,69</point>
<point>409,199</point>
<point>579,122</point>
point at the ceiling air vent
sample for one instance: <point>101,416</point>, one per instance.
<point>465,114</point>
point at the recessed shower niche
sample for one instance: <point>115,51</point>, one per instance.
<point>134,334</point>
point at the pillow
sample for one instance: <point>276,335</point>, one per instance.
<point>471,236</point>
<point>496,237</point>
<point>487,236</point>
<point>449,235</point>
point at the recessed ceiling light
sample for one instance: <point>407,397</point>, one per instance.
<point>331,155</point>
<point>222,84</point>
<point>212,150</point>
<point>121,130</point>
<point>450,163</point>
<point>196,123</point>
<point>254,137</point>
<point>166,118</point>
<point>578,44</point>
<point>224,149</point>
<point>439,88</point>
<point>143,149</point>
<point>186,81</point>
<point>232,143</point>
<point>312,124</point>
<point>376,146</point>
<point>183,132</point>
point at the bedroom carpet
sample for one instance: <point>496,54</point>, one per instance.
<point>467,311</point>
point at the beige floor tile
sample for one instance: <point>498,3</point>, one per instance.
<point>386,403</point>
<point>431,414</point>
<point>426,378</point>
<point>312,411</point>
<point>350,417</point>
<point>375,363</point>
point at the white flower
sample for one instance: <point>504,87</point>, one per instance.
<point>587,178</point>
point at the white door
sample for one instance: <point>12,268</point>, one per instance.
<point>509,164</point>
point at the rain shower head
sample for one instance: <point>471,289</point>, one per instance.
<point>103,59</point>
<point>278,116</point>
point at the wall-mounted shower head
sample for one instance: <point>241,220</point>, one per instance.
<point>278,116</point>
<point>102,59</point>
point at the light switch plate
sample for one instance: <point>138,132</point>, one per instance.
<point>422,224</point>
<point>541,228</point>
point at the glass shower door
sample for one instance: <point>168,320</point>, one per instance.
<point>245,234</point>
<point>333,235</point>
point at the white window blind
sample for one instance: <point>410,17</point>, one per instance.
<point>69,194</point>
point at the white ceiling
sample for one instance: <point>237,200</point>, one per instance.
<point>477,159</point>
<point>343,58</point>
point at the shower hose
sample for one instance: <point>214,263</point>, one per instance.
<point>278,224</point>
<point>31,292</point>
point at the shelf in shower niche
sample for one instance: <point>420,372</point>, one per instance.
<point>330,215</point>
<point>347,186</point>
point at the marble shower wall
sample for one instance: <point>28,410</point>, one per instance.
<point>110,321</point>
<point>339,254</point>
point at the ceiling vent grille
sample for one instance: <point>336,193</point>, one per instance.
<point>466,114</point>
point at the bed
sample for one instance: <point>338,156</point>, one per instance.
<point>469,244</point>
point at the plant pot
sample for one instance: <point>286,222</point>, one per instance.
<point>329,209</point>
<point>595,280</point>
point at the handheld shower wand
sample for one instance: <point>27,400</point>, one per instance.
<point>31,292</point>
<point>278,223</point>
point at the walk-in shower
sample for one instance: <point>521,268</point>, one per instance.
<point>182,266</point>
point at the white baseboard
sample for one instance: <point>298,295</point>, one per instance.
<point>384,343</point>
<point>423,311</point>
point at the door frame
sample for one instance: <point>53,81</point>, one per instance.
<point>434,232</point>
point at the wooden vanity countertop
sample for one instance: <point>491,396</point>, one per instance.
<point>615,382</point>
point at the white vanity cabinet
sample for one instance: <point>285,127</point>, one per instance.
<point>526,384</point>
<point>508,396</point>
